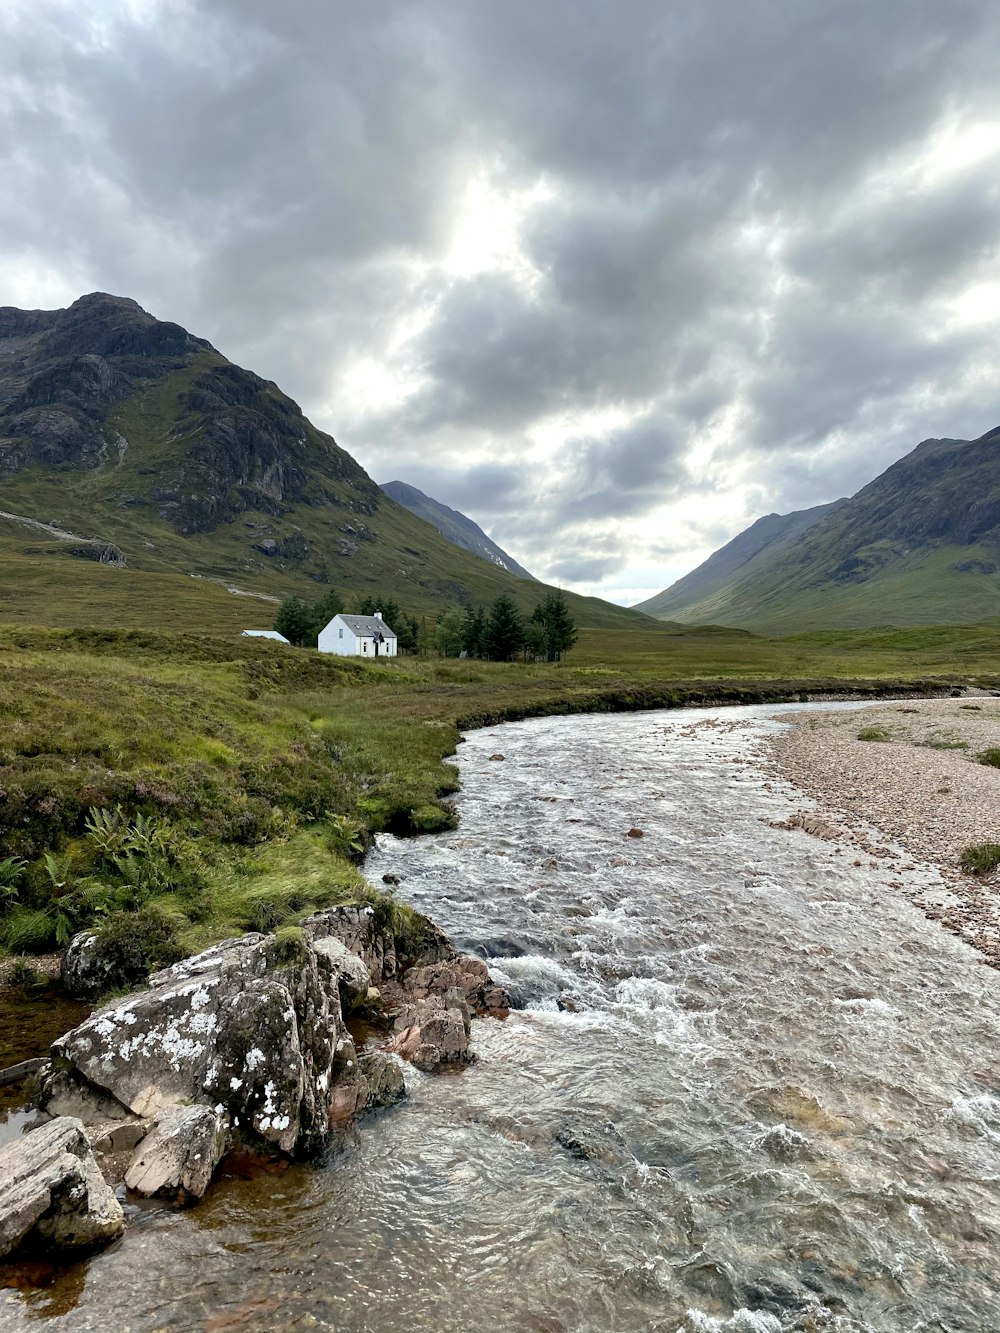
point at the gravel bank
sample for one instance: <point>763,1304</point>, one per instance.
<point>923,788</point>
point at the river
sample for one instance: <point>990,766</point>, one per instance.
<point>752,1089</point>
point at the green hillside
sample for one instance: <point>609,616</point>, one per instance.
<point>747,552</point>
<point>920,545</point>
<point>143,477</point>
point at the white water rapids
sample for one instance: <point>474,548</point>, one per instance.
<point>770,1101</point>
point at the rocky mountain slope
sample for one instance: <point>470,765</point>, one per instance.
<point>456,526</point>
<point>135,459</point>
<point>919,545</point>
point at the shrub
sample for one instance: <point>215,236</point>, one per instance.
<point>288,946</point>
<point>346,836</point>
<point>30,930</point>
<point>981,859</point>
<point>989,757</point>
<point>130,945</point>
<point>873,734</point>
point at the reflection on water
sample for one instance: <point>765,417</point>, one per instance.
<point>31,1017</point>
<point>753,1089</point>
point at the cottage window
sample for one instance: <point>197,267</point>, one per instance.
<point>364,645</point>
<point>340,633</point>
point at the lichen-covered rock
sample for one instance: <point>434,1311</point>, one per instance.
<point>84,971</point>
<point>178,1157</point>
<point>248,1028</point>
<point>348,970</point>
<point>52,1193</point>
<point>154,1048</point>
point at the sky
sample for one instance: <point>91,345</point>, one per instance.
<point>612,277</point>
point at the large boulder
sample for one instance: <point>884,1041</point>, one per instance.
<point>247,1040</point>
<point>52,1193</point>
<point>252,1027</point>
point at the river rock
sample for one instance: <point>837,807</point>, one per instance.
<point>433,1032</point>
<point>64,1092</point>
<point>247,1041</point>
<point>177,1159</point>
<point>470,976</point>
<point>360,933</point>
<point>384,1079</point>
<point>52,1193</point>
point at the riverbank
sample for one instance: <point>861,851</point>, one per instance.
<point>911,772</point>
<point>173,790</point>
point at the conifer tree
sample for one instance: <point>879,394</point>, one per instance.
<point>504,630</point>
<point>294,620</point>
<point>474,632</point>
<point>559,625</point>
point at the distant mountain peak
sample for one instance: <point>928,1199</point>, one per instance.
<point>453,525</point>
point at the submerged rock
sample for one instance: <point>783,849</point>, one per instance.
<point>52,1193</point>
<point>384,1079</point>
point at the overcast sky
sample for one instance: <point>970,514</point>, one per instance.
<point>613,277</point>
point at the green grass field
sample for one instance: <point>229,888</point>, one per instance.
<point>211,784</point>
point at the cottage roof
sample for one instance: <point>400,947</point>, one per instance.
<point>264,634</point>
<point>366,626</point>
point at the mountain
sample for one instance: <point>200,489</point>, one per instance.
<point>694,595</point>
<point>918,545</point>
<point>145,479</point>
<point>453,525</point>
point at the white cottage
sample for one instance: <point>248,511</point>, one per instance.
<point>357,636</point>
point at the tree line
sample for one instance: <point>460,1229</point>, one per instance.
<point>498,633</point>
<point>501,633</point>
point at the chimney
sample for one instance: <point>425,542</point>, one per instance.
<point>378,615</point>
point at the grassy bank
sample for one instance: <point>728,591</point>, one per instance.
<point>174,789</point>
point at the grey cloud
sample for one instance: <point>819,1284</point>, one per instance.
<point>717,251</point>
<point>584,569</point>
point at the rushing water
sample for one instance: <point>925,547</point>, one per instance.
<point>770,1100</point>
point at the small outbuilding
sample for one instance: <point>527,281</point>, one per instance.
<point>357,636</point>
<point>263,634</point>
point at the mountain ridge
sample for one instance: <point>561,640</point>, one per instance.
<point>454,525</point>
<point>919,544</point>
<point>131,433</point>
